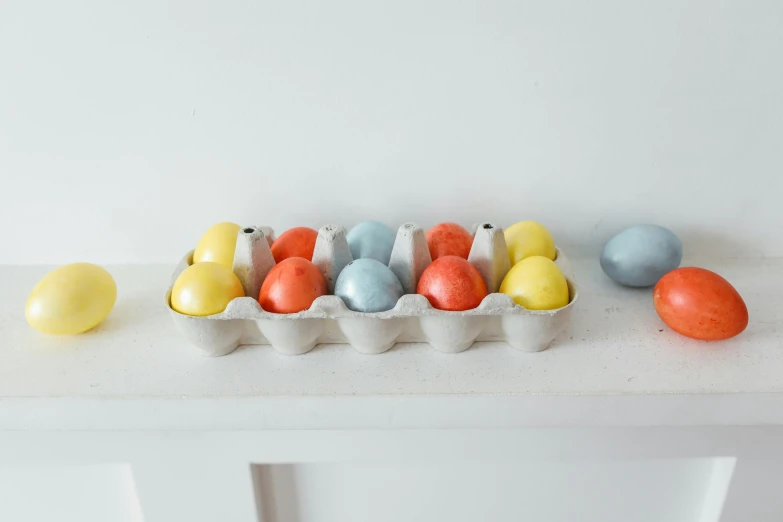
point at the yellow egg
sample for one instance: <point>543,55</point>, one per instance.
<point>528,238</point>
<point>205,289</point>
<point>536,283</point>
<point>71,299</point>
<point>218,245</point>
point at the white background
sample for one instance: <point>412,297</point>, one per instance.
<point>127,128</point>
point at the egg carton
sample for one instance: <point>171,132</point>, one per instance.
<point>413,319</point>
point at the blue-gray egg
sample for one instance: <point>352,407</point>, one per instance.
<point>371,239</point>
<point>367,285</point>
<point>640,255</point>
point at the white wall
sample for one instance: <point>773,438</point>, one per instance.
<point>127,128</point>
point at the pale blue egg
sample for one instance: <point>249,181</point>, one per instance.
<point>371,239</point>
<point>367,285</point>
<point>640,255</point>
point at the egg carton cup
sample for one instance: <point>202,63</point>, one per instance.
<point>413,319</point>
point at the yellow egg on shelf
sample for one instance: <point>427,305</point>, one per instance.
<point>71,299</point>
<point>217,245</point>
<point>205,289</point>
<point>536,283</point>
<point>528,238</point>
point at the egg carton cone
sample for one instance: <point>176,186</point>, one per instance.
<point>413,319</point>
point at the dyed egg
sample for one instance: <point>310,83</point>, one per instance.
<point>205,288</point>
<point>367,285</point>
<point>217,245</point>
<point>291,286</point>
<point>452,283</point>
<point>700,304</point>
<point>528,238</point>
<point>371,239</point>
<point>536,283</point>
<point>449,239</point>
<point>71,299</point>
<point>296,242</point>
<point>640,255</point>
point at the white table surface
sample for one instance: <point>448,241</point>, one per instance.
<point>617,364</point>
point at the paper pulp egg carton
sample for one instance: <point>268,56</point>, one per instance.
<point>413,319</point>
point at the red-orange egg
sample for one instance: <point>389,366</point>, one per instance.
<point>452,283</point>
<point>449,239</point>
<point>296,242</point>
<point>291,286</point>
<point>700,304</point>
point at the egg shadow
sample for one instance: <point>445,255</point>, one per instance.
<point>607,310</point>
<point>127,314</point>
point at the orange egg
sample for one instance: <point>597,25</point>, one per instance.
<point>700,304</point>
<point>296,242</point>
<point>452,283</point>
<point>449,239</point>
<point>291,286</point>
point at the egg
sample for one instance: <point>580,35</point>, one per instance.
<point>217,245</point>
<point>291,286</point>
<point>640,255</point>
<point>536,283</point>
<point>205,288</point>
<point>371,239</point>
<point>700,304</point>
<point>367,285</point>
<point>295,242</point>
<point>528,238</point>
<point>449,239</point>
<point>71,299</point>
<point>452,283</point>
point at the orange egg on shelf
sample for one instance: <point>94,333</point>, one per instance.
<point>700,304</point>
<point>452,283</point>
<point>291,286</point>
<point>296,242</point>
<point>449,239</point>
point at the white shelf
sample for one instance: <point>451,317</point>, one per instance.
<point>617,364</point>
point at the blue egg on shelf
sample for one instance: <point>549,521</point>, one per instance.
<point>367,285</point>
<point>640,255</point>
<point>371,239</point>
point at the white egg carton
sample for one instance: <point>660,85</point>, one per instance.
<point>413,319</point>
